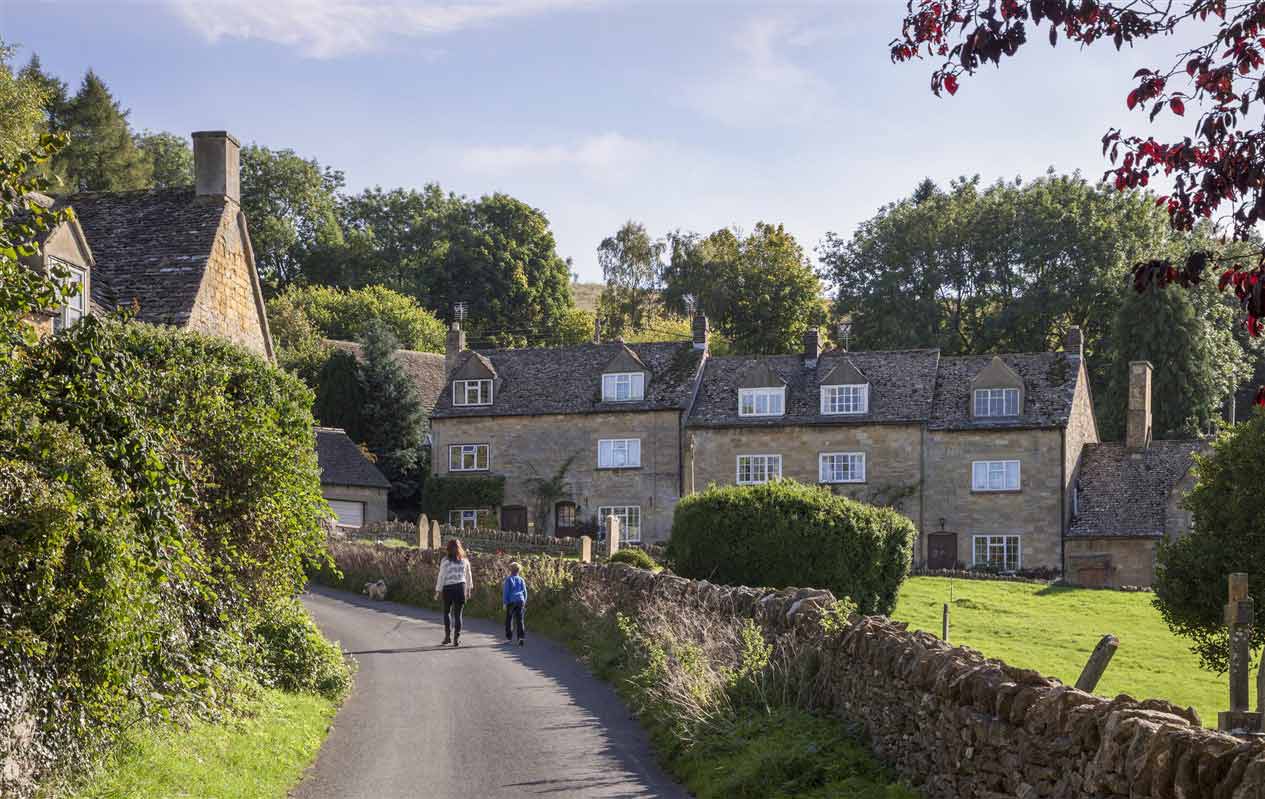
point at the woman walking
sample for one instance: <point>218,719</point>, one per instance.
<point>456,585</point>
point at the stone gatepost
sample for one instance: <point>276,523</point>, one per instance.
<point>423,532</point>
<point>612,536</point>
<point>1098,660</point>
<point>1239,614</point>
<point>436,536</point>
<point>586,549</point>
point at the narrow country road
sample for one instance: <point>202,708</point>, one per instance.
<point>482,720</point>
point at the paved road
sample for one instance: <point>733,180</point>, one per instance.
<point>483,720</point>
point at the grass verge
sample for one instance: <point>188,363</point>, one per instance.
<point>1054,629</point>
<point>259,755</point>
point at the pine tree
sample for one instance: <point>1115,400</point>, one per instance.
<point>102,155</point>
<point>52,89</point>
<point>395,424</point>
<point>340,395</point>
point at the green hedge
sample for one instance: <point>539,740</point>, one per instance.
<point>784,534</point>
<point>442,494</point>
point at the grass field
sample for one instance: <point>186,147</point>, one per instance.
<point>258,757</point>
<point>1053,630</point>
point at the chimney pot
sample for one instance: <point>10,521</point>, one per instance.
<point>1074,343</point>
<point>812,345</point>
<point>217,164</point>
<point>1138,423</point>
<point>700,332</point>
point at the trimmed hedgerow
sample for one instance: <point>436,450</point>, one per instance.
<point>634,557</point>
<point>785,533</point>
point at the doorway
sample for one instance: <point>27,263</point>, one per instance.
<point>514,519</point>
<point>942,550</point>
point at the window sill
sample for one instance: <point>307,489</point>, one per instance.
<point>841,482</point>
<point>619,468</point>
<point>469,471</point>
<point>996,490</point>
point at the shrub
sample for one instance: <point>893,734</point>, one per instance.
<point>783,533</point>
<point>294,656</point>
<point>634,557</point>
<point>348,314</point>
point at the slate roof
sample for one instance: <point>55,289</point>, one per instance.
<point>1123,493</point>
<point>1049,380</point>
<point>425,369</point>
<point>150,246</point>
<point>342,463</point>
<point>901,385</point>
<point>533,382</point>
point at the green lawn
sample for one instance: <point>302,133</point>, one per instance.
<point>1053,630</point>
<point>258,757</point>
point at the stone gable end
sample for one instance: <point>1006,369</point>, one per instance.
<point>229,303</point>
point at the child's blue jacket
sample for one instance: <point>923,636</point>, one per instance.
<point>515,590</point>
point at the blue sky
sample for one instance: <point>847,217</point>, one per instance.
<point>675,114</point>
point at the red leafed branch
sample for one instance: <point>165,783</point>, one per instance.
<point>1218,173</point>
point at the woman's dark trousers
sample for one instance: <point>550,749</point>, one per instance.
<point>454,603</point>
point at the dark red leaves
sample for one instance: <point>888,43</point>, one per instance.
<point>1132,99</point>
<point>1177,106</point>
<point>951,84</point>
<point>1260,397</point>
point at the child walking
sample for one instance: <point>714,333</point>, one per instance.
<point>515,597</point>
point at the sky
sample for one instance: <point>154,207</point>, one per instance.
<point>679,115</point>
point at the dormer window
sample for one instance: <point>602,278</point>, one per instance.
<point>996,402</point>
<point>75,295</point>
<point>623,387</point>
<point>761,401</point>
<point>845,399</point>
<point>472,392</point>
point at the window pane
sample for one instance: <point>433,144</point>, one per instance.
<point>1012,474</point>
<point>979,477</point>
<point>454,458</point>
<point>638,386</point>
<point>1012,402</point>
<point>981,403</point>
<point>634,452</point>
<point>604,453</point>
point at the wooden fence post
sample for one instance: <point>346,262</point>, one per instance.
<point>944,624</point>
<point>1240,612</point>
<point>1098,660</point>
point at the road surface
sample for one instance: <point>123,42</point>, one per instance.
<point>483,720</point>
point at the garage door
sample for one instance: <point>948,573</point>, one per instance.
<point>350,514</point>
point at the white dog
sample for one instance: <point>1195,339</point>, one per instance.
<point>377,591</point>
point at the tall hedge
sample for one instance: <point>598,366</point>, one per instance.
<point>785,533</point>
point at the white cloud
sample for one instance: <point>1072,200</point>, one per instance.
<point>331,28</point>
<point>764,87</point>
<point>604,155</point>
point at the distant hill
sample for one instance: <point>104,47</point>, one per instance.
<point>586,295</point>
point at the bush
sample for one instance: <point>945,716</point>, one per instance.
<point>294,656</point>
<point>348,314</point>
<point>783,533</point>
<point>634,557</point>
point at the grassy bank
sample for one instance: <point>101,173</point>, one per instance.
<point>259,755</point>
<point>1053,630</point>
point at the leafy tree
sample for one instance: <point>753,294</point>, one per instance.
<point>548,491</point>
<point>170,158</point>
<point>393,418</point>
<point>22,98</point>
<point>631,263</point>
<point>53,90</point>
<point>1228,536</point>
<point>346,315</point>
<point>576,327</point>
<point>101,155</point>
<point>291,205</point>
<point>340,395</point>
<point>299,345</point>
<point>759,289</point>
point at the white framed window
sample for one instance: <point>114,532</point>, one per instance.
<point>761,401</point>
<point>623,386</point>
<point>996,402</point>
<point>74,294</point>
<point>845,399</point>
<point>468,457</point>
<point>348,513</point>
<point>618,453</point>
<point>629,521</point>
<point>472,392</point>
<point>758,468</point>
<point>995,476</point>
<point>841,467</point>
<point>999,551</point>
<point>471,519</point>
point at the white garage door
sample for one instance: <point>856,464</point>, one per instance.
<point>350,514</point>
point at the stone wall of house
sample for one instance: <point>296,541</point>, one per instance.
<point>956,724</point>
<point>1178,520</point>
<point>1111,562</point>
<point>892,458</point>
<point>226,303</point>
<point>1082,429</point>
<point>525,448</point>
<point>1034,512</point>
<point>375,499</point>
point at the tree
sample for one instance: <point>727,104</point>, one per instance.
<point>1228,536</point>
<point>347,314</point>
<point>1219,166</point>
<point>631,263</point>
<point>22,99</point>
<point>170,159</point>
<point>101,155</point>
<point>393,418</point>
<point>298,344</point>
<point>577,327</point>
<point>759,289</point>
<point>54,93</point>
<point>291,205</point>
<point>340,395</point>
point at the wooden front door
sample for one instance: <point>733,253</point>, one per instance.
<point>514,518</point>
<point>942,550</point>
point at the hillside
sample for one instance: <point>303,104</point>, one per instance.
<point>586,295</point>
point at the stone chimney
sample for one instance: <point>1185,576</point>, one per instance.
<point>217,164</point>
<point>454,345</point>
<point>597,329</point>
<point>1074,342</point>
<point>1138,430</point>
<point>700,332</point>
<point>812,347</point>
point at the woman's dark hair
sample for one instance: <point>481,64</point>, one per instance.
<point>455,550</point>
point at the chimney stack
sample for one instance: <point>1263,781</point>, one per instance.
<point>1074,343</point>
<point>812,346</point>
<point>597,329</point>
<point>454,345</point>
<point>700,332</point>
<point>1138,430</point>
<point>217,164</point>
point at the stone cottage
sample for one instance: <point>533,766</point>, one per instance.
<point>354,488</point>
<point>180,256</point>
<point>603,421</point>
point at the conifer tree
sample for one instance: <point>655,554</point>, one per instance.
<point>340,395</point>
<point>102,155</point>
<point>394,422</point>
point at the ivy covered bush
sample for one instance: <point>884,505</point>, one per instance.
<point>784,533</point>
